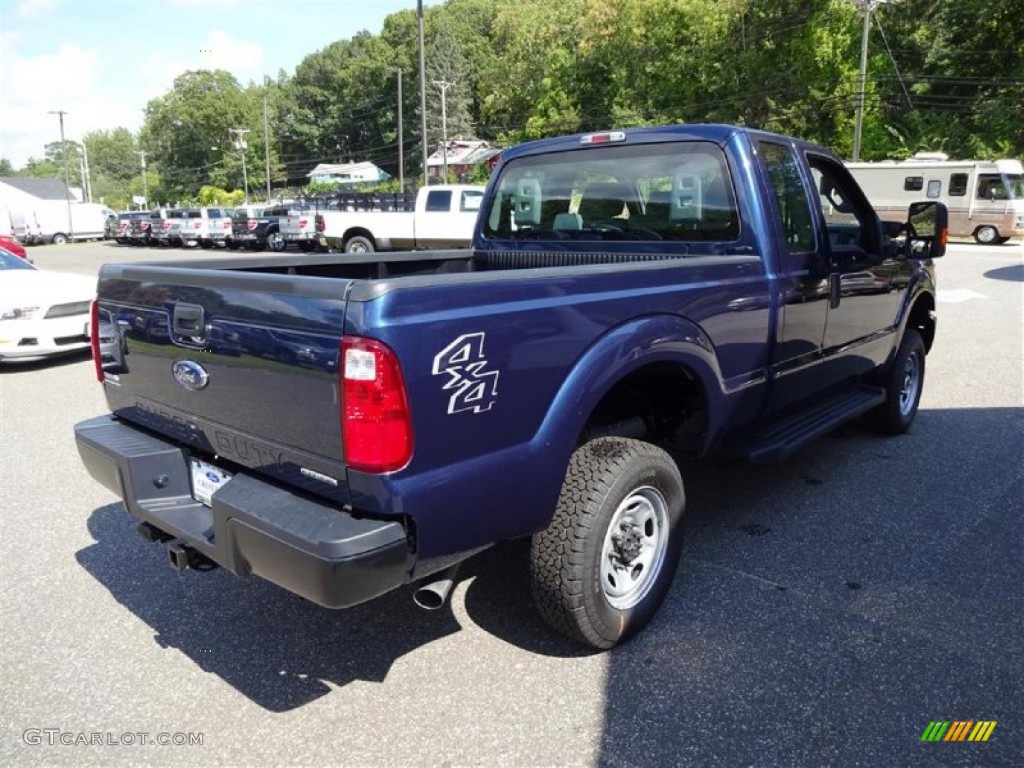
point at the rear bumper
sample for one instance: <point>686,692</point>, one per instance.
<point>313,549</point>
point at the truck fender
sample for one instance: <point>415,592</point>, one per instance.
<point>920,289</point>
<point>615,355</point>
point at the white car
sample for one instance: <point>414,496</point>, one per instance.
<point>42,313</point>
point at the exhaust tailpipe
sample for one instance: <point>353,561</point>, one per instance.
<point>433,593</point>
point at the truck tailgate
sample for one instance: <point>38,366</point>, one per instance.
<point>241,366</point>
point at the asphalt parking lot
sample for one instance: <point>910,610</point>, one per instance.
<point>827,610</point>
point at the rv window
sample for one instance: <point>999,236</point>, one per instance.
<point>991,187</point>
<point>934,188</point>
<point>913,183</point>
<point>958,185</point>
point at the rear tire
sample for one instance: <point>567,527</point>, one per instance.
<point>602,568</point>
<point>903,382</point>
<point>359,244</point>
<point>276,242</point>
<point>59,239</point>
<point>987,235</point>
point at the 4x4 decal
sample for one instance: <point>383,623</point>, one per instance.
<point>473,387</point>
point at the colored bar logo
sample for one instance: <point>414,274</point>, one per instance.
<point>958,730</point>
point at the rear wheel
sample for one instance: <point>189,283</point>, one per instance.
<point>903,382</point>
<point>59,239</point>
<point>276,242</point>
<point>602,568</point>
<point>987,235</point>
<point>359,244</point>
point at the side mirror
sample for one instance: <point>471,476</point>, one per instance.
<point>927,230</point>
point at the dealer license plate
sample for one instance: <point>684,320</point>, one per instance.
<point>206,479</point>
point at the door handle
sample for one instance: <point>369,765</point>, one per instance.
<point>188,321</point>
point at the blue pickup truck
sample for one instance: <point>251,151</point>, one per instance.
<point>344,425</point>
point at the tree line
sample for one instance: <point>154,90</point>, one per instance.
<point>943,75</point>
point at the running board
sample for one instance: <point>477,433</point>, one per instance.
<point>784,438</point>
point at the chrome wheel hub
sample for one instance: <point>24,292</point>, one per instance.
<point>634,547</point>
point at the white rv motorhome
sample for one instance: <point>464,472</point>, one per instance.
<point>985,198</point>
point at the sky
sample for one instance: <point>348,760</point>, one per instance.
<point>102,60</point>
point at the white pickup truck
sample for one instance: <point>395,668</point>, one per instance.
<point>442,216</point>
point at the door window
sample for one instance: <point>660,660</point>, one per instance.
<point>843,207</point>
<point>791,196</point>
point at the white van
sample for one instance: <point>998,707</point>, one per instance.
<point>985,198</point>
<point>87,220</point>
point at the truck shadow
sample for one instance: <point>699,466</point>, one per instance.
<point>273,647</point>
<point>1013,273</point>
<point>831,605</point>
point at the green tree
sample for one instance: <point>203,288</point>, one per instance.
<point>6,169</point>
<point>188,132</point>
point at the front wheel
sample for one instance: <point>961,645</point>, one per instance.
<point>903,382</point>
<point>601,570</point>
<point>987,236</point>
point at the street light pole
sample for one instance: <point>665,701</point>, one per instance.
<point>401,151</point>
<point>145,184</point>
<point>67,178</point>
<point>266,138</point>
<point>423,93</point>
<point>240,143</point>
<point>444,85</point>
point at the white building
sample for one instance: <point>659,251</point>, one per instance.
<point>348,173</point>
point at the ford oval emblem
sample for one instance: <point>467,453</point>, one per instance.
<point>190,374</point>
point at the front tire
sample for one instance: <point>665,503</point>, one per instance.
<point>602,568</point>
<point>903,382</point>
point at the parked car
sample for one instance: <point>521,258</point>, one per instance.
<point>244,221</point>
<point>166,229</point>
<point>206,226</point>
<point>441,216</point>
<point>124,223</point>
<point>11,244</point>
<point>42,313</point>
<point>268,227</point>
<point>110,227</point>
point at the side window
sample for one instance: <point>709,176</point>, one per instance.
<point>794,207</point>
<point>470,201</point>
<point>958,185</point>
<point>842,205</point>
<point>934,188</point>
<point>439,201</point>
<point>913,183</point>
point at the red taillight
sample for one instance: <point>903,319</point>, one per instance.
<point>320,223</point>
<point>94,338</point>
<point>376,424</point>
<point>303,223</point>
<point>251,224</point>
<point>196,225</point>
<point>167,225</point>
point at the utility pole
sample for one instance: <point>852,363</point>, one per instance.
<point>423,94</point>
<point>866,7</point>
<point>85,173</point>
<point>401,153</point>
<point>444,85</point>
<point>240,143</point>
<point>266,137</point>
<point>67,178</point>
<point>145,184</point>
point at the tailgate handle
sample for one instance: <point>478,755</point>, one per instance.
<point>188,320</point>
